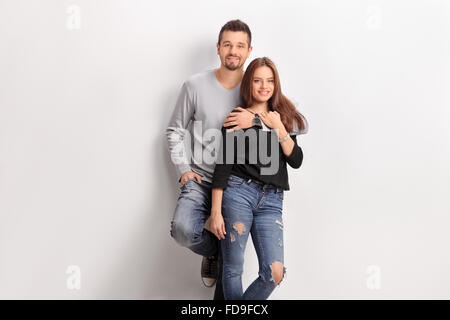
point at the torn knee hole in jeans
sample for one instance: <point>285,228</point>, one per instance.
<point>277,272</point>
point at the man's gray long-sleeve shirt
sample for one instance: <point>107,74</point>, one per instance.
<point>202,104</point>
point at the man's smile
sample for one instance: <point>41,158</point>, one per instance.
<point>233,59</point>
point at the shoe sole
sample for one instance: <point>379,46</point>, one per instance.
<point>209,282</point>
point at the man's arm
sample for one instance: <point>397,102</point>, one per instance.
<point>176,131</point>
<point>240,118</point>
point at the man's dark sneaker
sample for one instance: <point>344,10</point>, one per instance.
<point>218,293</point>
<point>210,270</point>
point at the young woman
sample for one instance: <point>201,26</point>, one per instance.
<point>245,199</point>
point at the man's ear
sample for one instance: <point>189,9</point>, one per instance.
<point>218,46</point>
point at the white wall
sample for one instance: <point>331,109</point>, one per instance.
<point>85,178</point>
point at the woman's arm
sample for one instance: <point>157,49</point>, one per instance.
<point>287,145</point>
<point>217,224</point>
<point>291,150</point>
<point>222,171</point>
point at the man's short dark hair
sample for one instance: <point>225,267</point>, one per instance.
<point>236,25</point>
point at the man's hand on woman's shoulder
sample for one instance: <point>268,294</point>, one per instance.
<point>240,118</point>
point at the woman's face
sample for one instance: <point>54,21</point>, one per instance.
<point>262,84</point>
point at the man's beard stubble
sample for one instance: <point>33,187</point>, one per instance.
<point>232,67</point>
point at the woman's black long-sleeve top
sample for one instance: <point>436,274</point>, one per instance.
<point>241,165</point>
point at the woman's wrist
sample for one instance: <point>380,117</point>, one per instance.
<point>216,211</point>
<point>282,132</point>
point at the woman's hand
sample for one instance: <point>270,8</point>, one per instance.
<point>217,225</point>
<point>272,119</point>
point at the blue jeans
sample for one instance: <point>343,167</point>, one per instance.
<point>193,208</point>
<point>251,207</point>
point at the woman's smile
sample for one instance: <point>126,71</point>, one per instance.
<point>264,92</point>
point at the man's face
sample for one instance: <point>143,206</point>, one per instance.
<point>233,49</point>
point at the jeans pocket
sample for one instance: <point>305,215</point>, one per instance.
<point>235,181</point>
<point>186,183</point>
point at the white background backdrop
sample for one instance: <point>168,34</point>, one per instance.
<point>87,89</point>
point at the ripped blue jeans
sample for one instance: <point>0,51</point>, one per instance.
<point>252,207</point>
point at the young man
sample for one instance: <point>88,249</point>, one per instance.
<point>204,102</point>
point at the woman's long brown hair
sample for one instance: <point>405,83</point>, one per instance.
<point>281,104</point>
